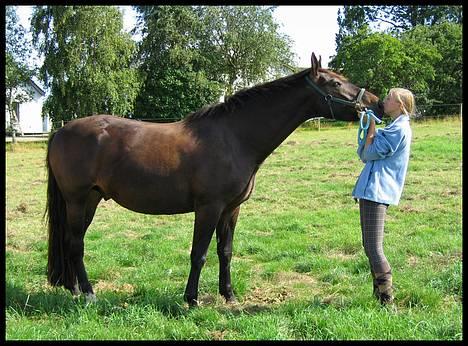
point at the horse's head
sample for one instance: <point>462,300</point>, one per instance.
<point>340,99</point>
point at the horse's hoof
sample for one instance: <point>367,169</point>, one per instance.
<point>230,299</point>
<point>90,298</point>
<point>75,291</point>
<point>191,301</point>
<point>229,296</point>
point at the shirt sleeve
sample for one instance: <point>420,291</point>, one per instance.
<point>360,151</point>
<point>386,142</point>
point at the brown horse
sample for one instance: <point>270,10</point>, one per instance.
<point>205,163</point>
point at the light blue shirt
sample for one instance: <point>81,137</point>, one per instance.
<point>386,160</point>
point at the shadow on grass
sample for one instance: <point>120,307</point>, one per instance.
<point>60,302</point>
<point>36,303</point>
<point>168,301</point>
<point>171,304</point>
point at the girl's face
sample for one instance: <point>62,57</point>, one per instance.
<point>392,106</point>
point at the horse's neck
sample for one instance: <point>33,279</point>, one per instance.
<point>264,122</point>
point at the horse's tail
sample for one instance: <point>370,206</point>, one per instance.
<point>57,267</point>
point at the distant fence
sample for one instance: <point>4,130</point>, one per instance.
<point>423,112</point>
<point>439,110</point>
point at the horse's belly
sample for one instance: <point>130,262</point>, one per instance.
<point>154,204</point>
<point>159,196</point>
<point>155,209</point>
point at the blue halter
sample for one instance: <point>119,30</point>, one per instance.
<point>362,130</point>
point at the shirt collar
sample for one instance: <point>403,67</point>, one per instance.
<point>401,117</point>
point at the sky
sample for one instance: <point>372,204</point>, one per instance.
<point>311,28</point>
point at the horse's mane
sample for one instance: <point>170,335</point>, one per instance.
<point>232,103</point>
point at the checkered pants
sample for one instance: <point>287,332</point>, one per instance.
<point>372,227</point>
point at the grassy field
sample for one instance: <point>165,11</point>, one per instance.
<point>299,270</point>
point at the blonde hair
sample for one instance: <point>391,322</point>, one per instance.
<point>406,99</point>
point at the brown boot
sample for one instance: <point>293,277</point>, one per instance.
<point>384,287</point>
<point>375,291</point>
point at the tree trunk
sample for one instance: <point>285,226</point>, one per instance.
<point>230,86</point>
<point>12,121</point>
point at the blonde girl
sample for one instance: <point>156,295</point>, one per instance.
<point>385,153</point>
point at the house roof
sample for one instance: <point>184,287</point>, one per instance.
<point>37,87</point>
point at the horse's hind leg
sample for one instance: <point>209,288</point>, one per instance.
<point>79,217</point>
<point>224,237</point>
<point>92,202</point>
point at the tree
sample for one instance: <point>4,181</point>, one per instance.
<point>191,55</point>
<point>379,61</point>
<point>173,69</point>
<point>350,20</point>
<point>244,45</point>
<point>17,70</point>
<point>87,63</point>
<point>446,38</point>
<point>403,18</point>
<point>422,50</point>
<point>399,18</point>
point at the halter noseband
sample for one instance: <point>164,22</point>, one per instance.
<point>330,98</point>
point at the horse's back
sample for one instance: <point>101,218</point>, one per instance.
<point>110,133</point>
<point>135,163</point>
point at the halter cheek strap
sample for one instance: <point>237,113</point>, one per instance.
<point>359,97</point>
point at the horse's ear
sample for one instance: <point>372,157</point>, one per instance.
<point>315,64</point>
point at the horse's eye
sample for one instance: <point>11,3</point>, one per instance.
<point>336,84</point>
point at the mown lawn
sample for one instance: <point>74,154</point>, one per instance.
<point>299,270</point>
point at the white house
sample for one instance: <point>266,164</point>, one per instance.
<point>28,114</point>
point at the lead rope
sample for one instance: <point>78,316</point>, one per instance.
<point>362,130</point>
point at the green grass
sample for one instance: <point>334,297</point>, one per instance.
<point>299,270</point>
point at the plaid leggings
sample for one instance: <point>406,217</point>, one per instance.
<point>372,227</point>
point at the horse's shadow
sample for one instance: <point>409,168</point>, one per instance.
<point>169,302</point>
<point>26,303</point>
<point>60,302</point>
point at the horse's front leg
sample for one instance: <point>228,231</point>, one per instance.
<point>206,219</point>
<point>224,237</point>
